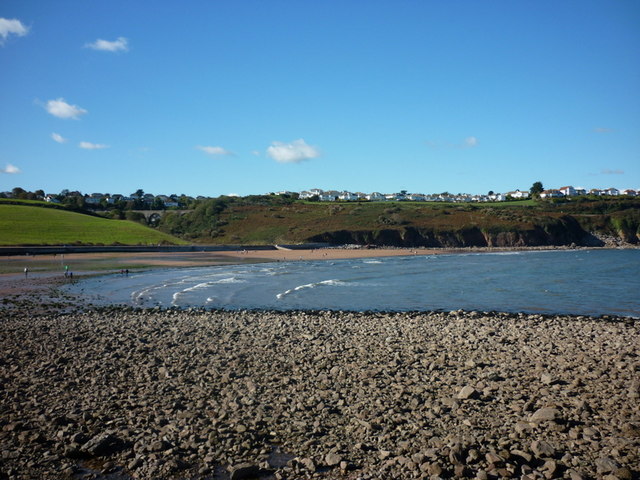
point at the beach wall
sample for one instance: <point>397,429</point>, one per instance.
<point>62,249</point>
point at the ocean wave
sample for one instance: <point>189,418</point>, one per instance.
<point>223,281</point>
<point>310,285</point>
<point>372,261</point>
<point>140,296</point>
<point>228,280</point>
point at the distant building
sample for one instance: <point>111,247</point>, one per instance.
<point>568,191</point>
<point>376,197</point>
<point>551,194</point>
<point>519,194</point>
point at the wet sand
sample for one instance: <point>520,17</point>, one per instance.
<point>47,271</point>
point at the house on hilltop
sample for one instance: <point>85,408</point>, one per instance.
<point>568,191</point>
<point>551,194</point>
<point>376,197</point>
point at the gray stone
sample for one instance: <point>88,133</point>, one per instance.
<point>103,444</point>
<point>546,414</point>
<point>606,465</point>
<point>308,464</point>
<point>467,392</point>
<point>332,459</point>
<point>542,449</point>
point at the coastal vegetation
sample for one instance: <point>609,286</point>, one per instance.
<point>228,220</point>
<point>285,219</point>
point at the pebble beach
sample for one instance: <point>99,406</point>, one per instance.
<point>119,393</point>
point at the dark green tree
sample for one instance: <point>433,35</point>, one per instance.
<point>536,189</point>
<point>18,192</point>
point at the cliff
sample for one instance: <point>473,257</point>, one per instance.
<point>562,231</point>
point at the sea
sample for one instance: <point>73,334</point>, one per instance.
<point>577,282</point>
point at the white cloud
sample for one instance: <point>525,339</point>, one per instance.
<point>58,138</point>
<point>294,152</point>
<point>61,109</point>
<point>470,142</point>
<point>608,171</point>
<point>11,27</point>
<point>603,130</point>
<point>10,169</point>
<point>216,151</point>
<point>119,45</point>
<point>92,146</point>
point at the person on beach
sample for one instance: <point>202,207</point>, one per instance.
<point>26,272</point>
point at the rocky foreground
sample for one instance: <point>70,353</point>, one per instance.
<point>118,393</point>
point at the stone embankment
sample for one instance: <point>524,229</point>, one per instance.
<point>118,393</point>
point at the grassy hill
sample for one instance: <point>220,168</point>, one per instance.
<point>34,225</point>
<point>521,223</point>
<point>274,220</point>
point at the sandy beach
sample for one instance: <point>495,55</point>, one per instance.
<point>47,271</point>
<point>92,262</point>
<point>120,393</point>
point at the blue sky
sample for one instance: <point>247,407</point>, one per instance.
<point>248,97</point>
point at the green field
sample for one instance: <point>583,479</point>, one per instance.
<point>34,225</point>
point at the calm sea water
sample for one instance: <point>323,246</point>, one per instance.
<point>582,282</point>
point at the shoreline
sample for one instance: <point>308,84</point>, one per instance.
<point>39,289</point>
<point>168,393</point>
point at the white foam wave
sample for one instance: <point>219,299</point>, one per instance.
<point>372,261</point>
<point>310,285</point>
<point>229,280</point>
<point>176,296</point>
<point>197,287</point>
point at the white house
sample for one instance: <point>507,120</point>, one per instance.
<point>347,196</point>
<point>416,197</point>
<point>304,195</point>
<point>631,193</point>
<point>551,194</point>
<point>394,197</point>
<point>568,191</point>
<point>376,197</point>
<point>611,191</point>
<point>519,194</point>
